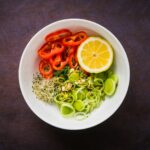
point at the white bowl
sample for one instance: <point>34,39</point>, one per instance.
<point>50,113</point>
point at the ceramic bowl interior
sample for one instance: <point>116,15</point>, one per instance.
<point>50,113</point>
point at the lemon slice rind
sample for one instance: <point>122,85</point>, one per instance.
<point>95,70</point>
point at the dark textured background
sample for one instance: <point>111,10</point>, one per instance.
<point>128,128</point>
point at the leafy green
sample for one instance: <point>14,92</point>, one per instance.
<point>62,73</point>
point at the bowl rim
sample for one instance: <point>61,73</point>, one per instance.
<point>85,21</point>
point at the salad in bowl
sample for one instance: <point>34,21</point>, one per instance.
<point>74,74</point>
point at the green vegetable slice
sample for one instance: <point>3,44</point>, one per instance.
<point>80,115</point>
<point>79,105</point>
<point>98,82</point>
<point>102,75</point>
<point>81,94</point>
<point>109,87</point>
<point>75,93</point>
<point>74,76</point>
<point>114,77</point>
<point>67,110</point>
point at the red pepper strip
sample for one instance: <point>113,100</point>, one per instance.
<point>57,35</point>
<point>56,59</point>
<point>45,51</point>
<point>57,48</point>
<point>76,59</point>
<point>75,40</point>
<point>67,52</point>
<point>48,76</point>
<point>45,68</point>
<point>71,50</point>
<point>72,62</point>
<point>61,65</point>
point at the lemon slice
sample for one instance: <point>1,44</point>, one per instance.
<point>95,55</point>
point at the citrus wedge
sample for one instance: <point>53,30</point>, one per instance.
<point>95,55</point>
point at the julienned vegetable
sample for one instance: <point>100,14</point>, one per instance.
<point>74,92</point>
<point>62,81</point>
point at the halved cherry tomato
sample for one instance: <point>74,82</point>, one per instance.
<point>57,35</point>
<point>47,51</point>
<point>45,68</point>
<point>72,62</point>
<point>75,40</point>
